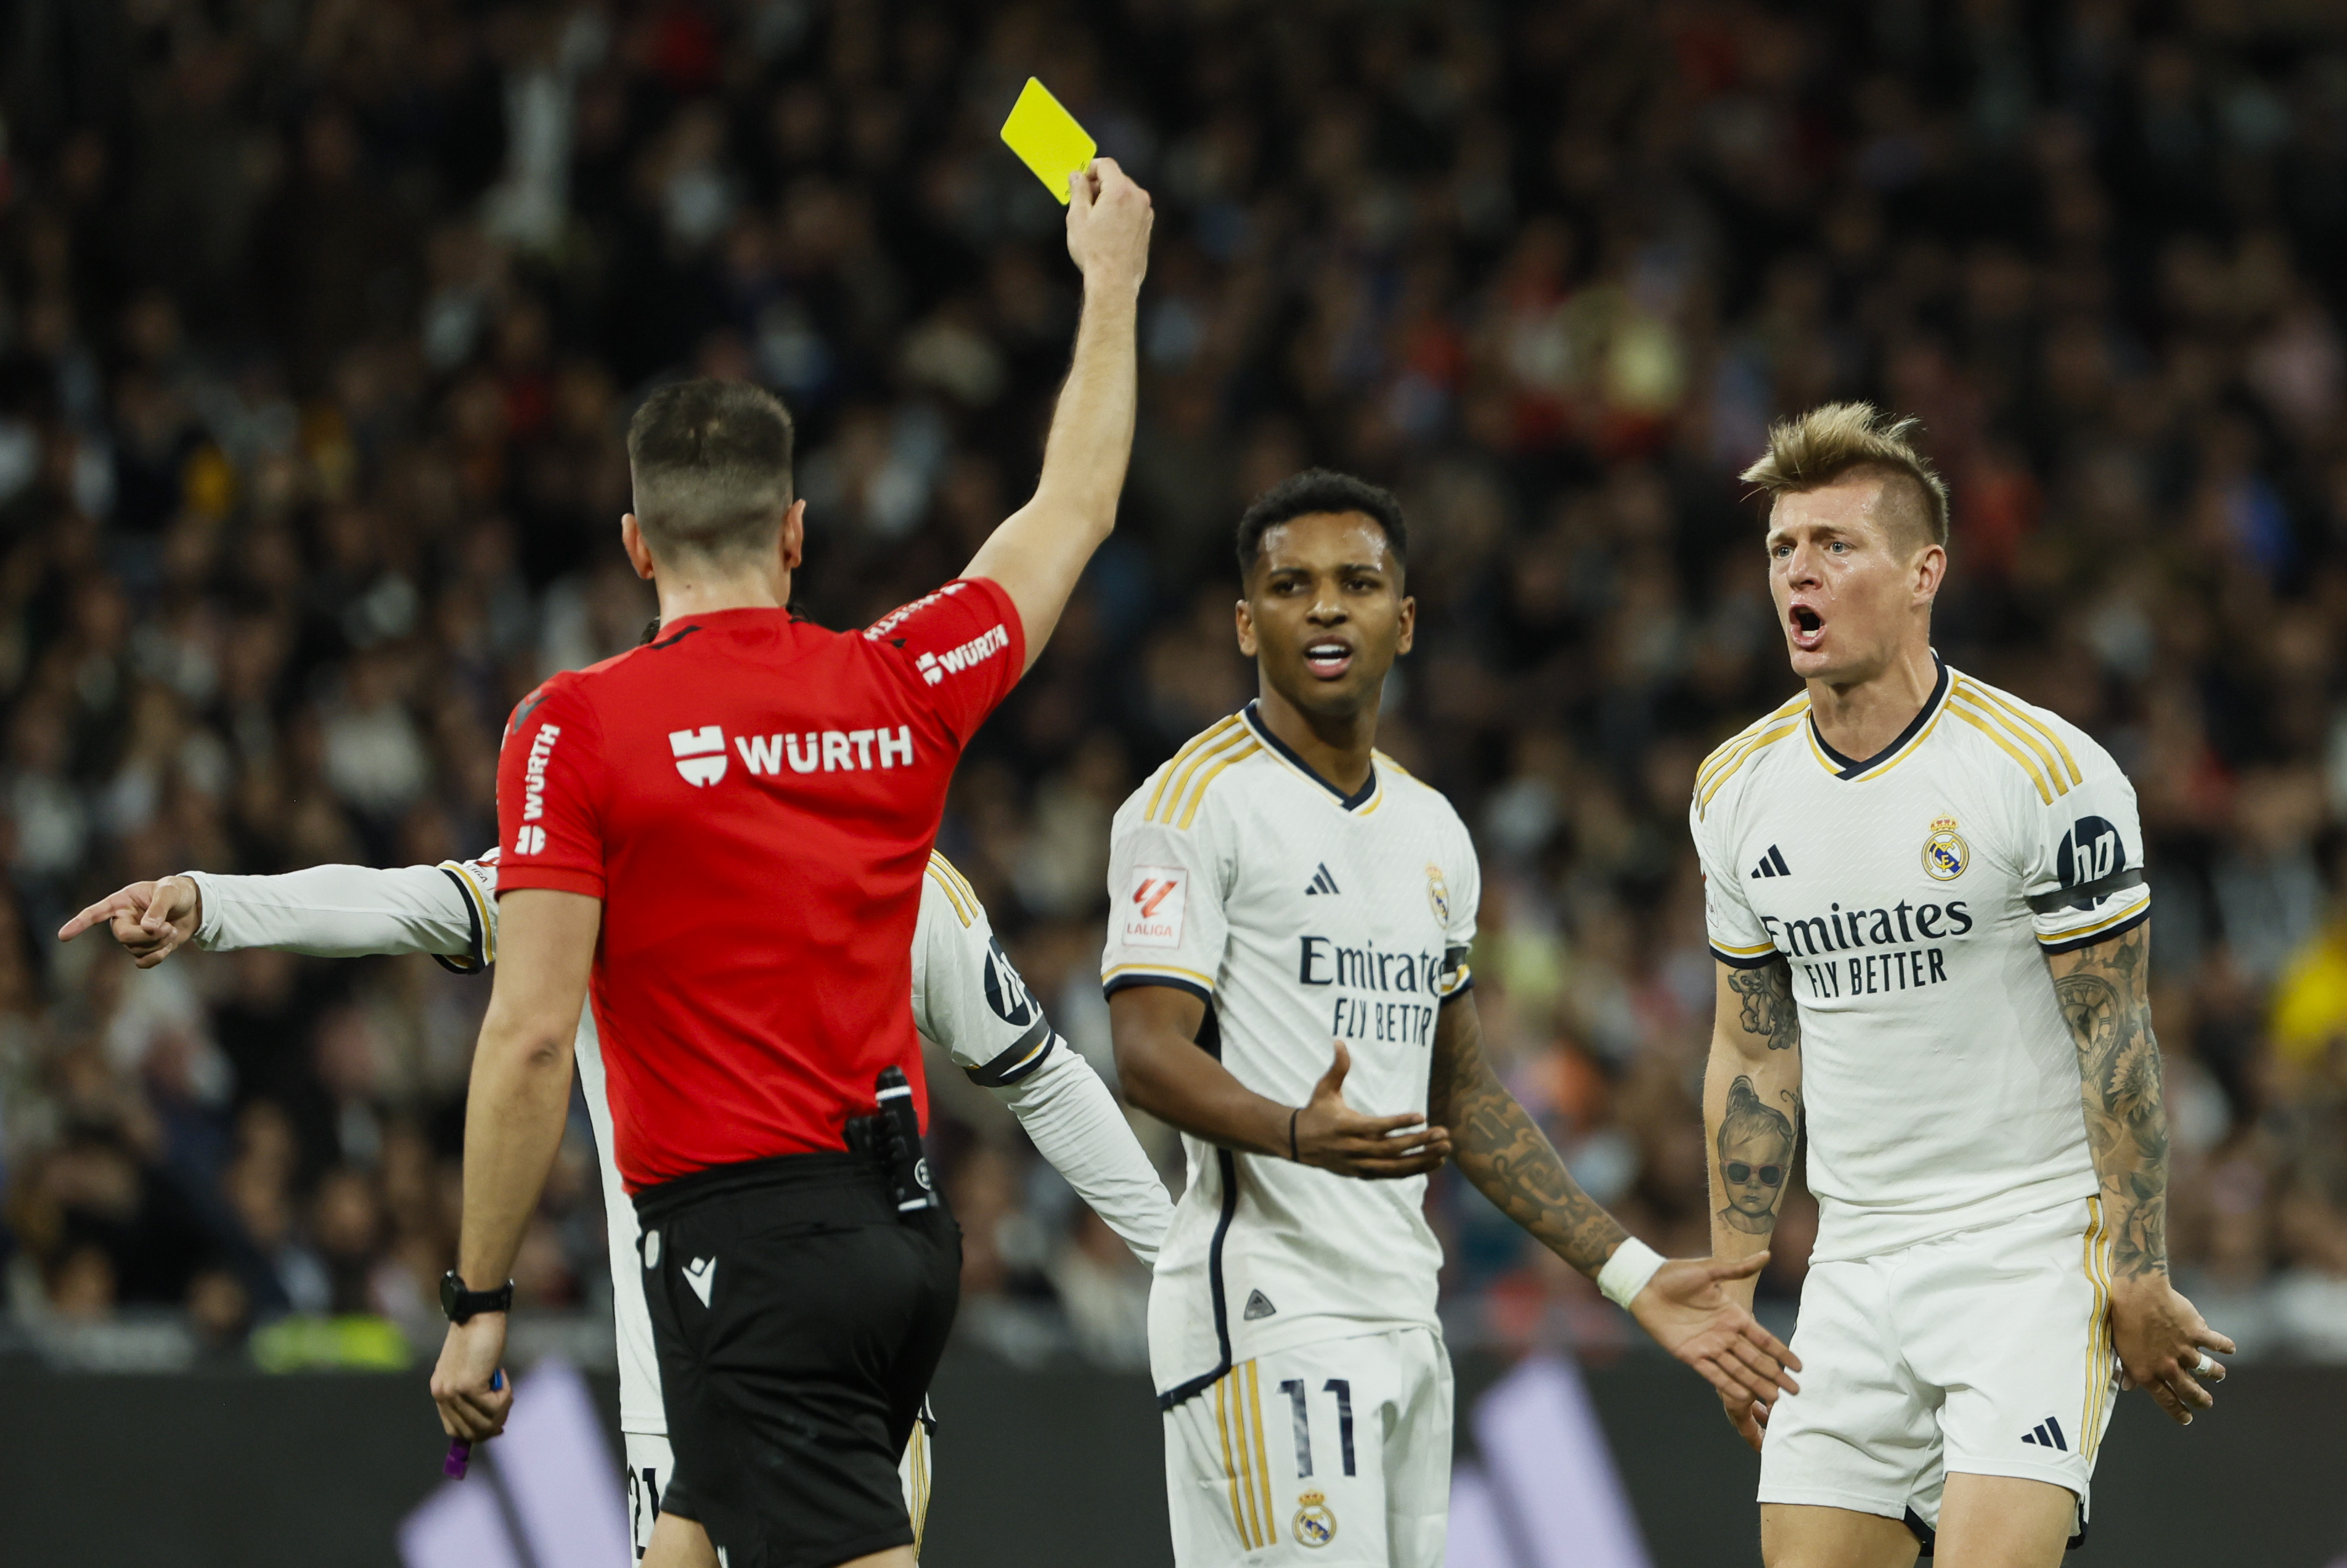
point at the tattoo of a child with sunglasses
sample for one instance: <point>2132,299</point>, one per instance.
<point>1756,1155</point>
<point>1768,1009</point>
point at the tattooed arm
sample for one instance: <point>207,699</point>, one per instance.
<point>2104,993</point>
<point>1751,1104</point>
<point>1499,1148</point>
<point>1751,1121</point>
<point>1502,1151</point>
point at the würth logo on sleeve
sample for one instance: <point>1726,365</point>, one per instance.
<point>1151,916</point>
<point>935,667</point>
<point>700,753</point>
<point>896,617</point>
<point>533,790</point>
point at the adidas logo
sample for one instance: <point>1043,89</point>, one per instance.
<point>1258,1306</point>
<point>2047,1435</point>
<point>1321,881</point>
<point>1772,864</point>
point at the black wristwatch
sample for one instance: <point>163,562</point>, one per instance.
<point>460,1304</point>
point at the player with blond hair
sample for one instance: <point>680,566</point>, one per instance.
<point>1927,901</point>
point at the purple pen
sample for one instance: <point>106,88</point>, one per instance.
<point>460,1452</point>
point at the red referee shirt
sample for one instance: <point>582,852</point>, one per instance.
<point>754,799</point>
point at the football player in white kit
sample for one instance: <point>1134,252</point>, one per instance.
<point>968,1000</point>
<point>1927,902</point>
<point>1292,902</point>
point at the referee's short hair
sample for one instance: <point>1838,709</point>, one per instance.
<point>711,466</point>
<point>1310,494</point>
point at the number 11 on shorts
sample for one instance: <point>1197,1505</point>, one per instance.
<point>1343,1389</point>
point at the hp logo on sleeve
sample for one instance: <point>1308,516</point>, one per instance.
<point>2089,852</point>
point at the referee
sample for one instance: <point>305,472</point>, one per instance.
<point>801,1276</point>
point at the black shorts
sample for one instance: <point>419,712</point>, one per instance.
<point>798,1320</point>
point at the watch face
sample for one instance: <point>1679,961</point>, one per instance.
<point>451,1290</point>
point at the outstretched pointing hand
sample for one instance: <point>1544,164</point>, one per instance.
<point>1690,1316</point>
<point>151,919</point>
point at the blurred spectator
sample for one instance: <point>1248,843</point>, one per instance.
<point>317,337</point>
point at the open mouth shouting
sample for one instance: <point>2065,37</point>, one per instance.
<point>1328,657</point>
<point>1804,626</point>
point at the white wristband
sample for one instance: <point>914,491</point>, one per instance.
<point>1627,1271</point>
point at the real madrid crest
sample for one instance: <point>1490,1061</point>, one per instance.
<point>1315,1525</point>
<point>1438,893</point>
<point>1945,854</point>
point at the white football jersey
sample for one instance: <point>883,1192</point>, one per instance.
<point>1915,895</point>
<point>1297,914</point>
<point>967,1000</point>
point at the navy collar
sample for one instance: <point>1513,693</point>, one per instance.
<point>1253,715</point>
<point>1844,768</point>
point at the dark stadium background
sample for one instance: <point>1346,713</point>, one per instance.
<point>319,321</point>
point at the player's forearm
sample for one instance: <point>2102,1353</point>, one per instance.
<point>2105,998</point>
<point>1499,1147</point>
<point>335,911</point>
<point>515,1110</point>
<point>1173,1080</point>
<point>1075,1123</point>
<point>1744,1215</point>
<point>1751,1107</point>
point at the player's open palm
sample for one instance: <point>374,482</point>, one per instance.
<point>1331,1134</point>
<point>151,919</point>
<point>2163,1344</point>
<point>1692,1317</point>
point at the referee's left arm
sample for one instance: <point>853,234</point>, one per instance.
<point>1039,550</point>
<point>515,1109</point>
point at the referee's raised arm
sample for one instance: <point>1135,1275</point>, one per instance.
<point>1041,548</point>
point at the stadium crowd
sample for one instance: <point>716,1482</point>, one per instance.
<point>319,322</point>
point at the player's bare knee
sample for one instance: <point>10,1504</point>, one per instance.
<point>1800,1536</point>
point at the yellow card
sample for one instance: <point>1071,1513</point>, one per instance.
<point>1047,139</point>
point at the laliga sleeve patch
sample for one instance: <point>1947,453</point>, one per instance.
<point>1152,913</point>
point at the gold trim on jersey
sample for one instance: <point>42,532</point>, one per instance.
<point>1218,731</point>
<point>1817,747</point>
<point>920,1477</point>
<point>1116,969</point>
<point>2029,734</point>
<point>1996,732</point>
<point>1745,754</point>
<point>1207,777</point>
<point>1262,1465</point>
<point>955,886</point>
<point>2098,1334</point>
<point>482,909</point>
<point>1238,1416</point>
<point>1720,753</point>
<point>2129,913</point>
<point>1744,952</point>
<point>2026,717</point>
<point>1280,754</point>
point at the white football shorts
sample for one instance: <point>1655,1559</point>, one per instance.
<point>650,1461</point>
<point>1338,1451</point>
<point>1987,1352</point>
